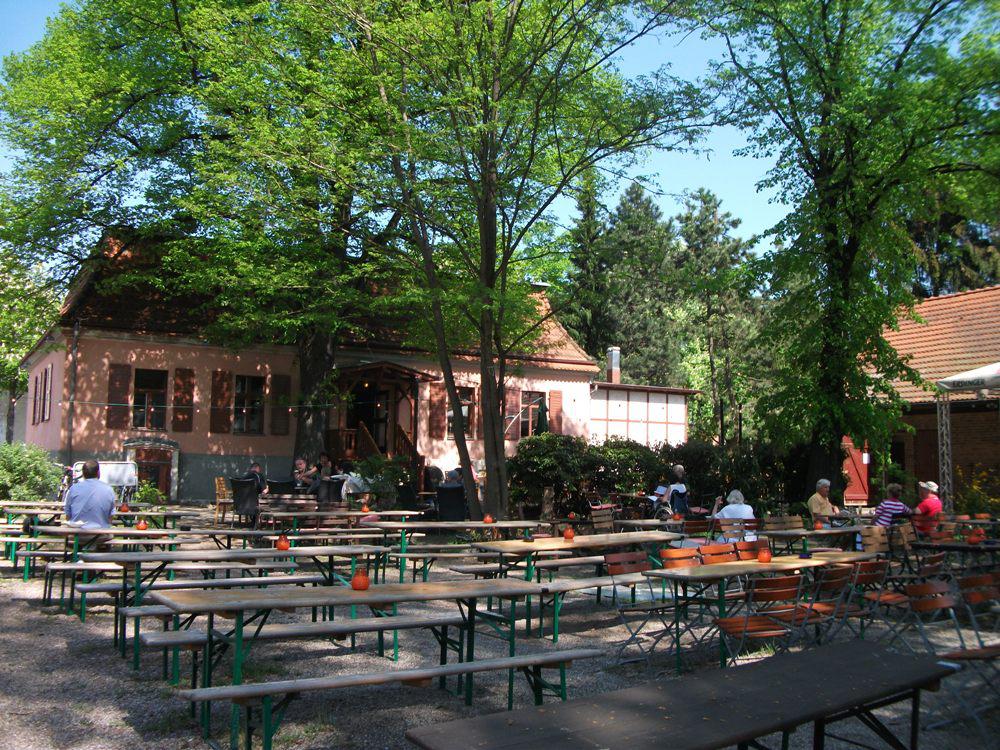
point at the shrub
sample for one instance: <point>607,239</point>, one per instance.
<point>562,462</point>
<point>27,473</point>
<point>979,492</point>
<point>147,492</point>
<point>384,476</point>
<point>624,465</point>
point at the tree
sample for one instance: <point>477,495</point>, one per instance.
<point>490,110</point>
<point>28,308</point>
<point>713,272</point>
<point>585,294</point>
<point>868,108</point>
<point>149,119</point>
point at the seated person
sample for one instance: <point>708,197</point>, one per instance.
<point>927,510</point>
<point>90,502</point>
<point>677,492</point>
<point>819,504</point>
<point>301,472</point>
<point>322,469</point>
<point>257,474</point>
<point>737,509</point>
<point>892,507</point>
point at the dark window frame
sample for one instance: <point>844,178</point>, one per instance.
<point>530,401</point>
<point>467,395</point>
<point>248,404</point>
<point>149,402</point>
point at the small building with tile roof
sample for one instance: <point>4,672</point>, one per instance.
<point>950,334</point>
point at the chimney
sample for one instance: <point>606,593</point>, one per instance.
<point>614,364</point>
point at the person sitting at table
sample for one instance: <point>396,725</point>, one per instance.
<point>819,505</point>
<point>892,507</point>
<point>928,508</point>
<point>90,502</point>
<point>322,469</point>
<point>737,509</point>
<point>301,473</point>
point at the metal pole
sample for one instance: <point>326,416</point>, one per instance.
<point>944,450</point>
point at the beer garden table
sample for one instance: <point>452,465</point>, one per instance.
<point>235,605</point>
<point>405,528</point>
<point>791,535</point>
<point>720,573</point>
<point>714,709</point>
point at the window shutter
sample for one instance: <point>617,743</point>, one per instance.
<point>222,402</point>
<point>119,385</point>
<point>512,410</point>
<point>47,394</point>
<point>281,393</point>
<point>438,422</point>
<point>34,402</point>
<point>183,413</point>
<point>555,412</point>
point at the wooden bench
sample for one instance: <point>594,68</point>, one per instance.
<point>272,712</point>
<point>555,593</point>
<point>428,559</point>
<point>72,568</point>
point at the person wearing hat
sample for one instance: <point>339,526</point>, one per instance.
<point>928,508</point>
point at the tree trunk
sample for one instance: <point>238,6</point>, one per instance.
<point>317,357</point>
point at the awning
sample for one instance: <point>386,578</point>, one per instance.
<point>973,380</point>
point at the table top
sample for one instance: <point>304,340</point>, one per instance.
<point>985,547</point>
<point>581,541</point>
<point>117,514</point>
<point>450,525</point>
<point>720,571</point>
<point>719,708</point>
<point>196,601</point>
<point>234,533</point>
<point>647,523</point>
<point>209,555</point>
<point>799,533</point>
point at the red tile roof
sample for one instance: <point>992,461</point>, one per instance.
<point>961,332</point>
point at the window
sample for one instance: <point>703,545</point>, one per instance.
<point>468,397</point>
<point>248,417</point>
<point>47,394</point>
<point>149,404</point>
<point>36,400</point>
<point>530,401</point>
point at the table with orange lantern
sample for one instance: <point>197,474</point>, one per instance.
<point>382,598</point>
<point>806,535</point>
<point>700,577</point>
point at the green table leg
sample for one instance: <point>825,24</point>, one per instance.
<point>402,560</point>
<point>234,718</point>
<point>206,679</point>
<point>723,653</point>
<point>470,646</point>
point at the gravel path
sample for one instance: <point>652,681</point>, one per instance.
<point>62,685</point>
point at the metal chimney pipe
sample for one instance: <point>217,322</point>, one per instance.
<point>614,364</point>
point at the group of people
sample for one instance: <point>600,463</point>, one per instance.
<point>820,507</point>
<point>308,478</point>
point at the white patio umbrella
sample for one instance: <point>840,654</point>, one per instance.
<point>980,379</point>
<point>987,377</point>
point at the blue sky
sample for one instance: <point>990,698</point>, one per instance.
<point>732,178</point>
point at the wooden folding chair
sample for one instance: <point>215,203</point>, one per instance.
<point>223,499</point>
<point>769,615</point>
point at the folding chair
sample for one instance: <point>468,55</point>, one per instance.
<point>622,563</point>
<point>771,614</point>
<point>932,608</point>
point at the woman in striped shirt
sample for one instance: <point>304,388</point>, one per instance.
<point>891,507</point>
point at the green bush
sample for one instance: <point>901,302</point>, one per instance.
<point>624,465</point>
<point>979,492</point>
<point>27,473</point>
<point>147,492</point>
<point>562,462</point>
<point>384,476</point>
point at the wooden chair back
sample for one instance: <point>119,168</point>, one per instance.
<point>931,565</point>
<point>870,573</point>
<point>875,539</point>
<point>735,529</point>
<point>933,596</point>
<point>684,557</point>
<point>779,589</point>
<point>901,536</point>
<point>603,518</point>
<point>981,516</point>
<point>717,553</point>
<point>748,550</point>
<point>620,563</point>
<point>978,589</point>
<point>222,491</point>
<point>699,527</point>
<point>782,523</point>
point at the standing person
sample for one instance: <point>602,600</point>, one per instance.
<point>736,509</point>
<point>928,508</point>
<point>250,506</point>
<point>819,503</point>
<point>892,506</point>
<point>90,502</point>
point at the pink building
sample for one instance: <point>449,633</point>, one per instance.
<point>122,378</point>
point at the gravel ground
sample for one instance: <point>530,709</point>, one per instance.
<point>62,685</point>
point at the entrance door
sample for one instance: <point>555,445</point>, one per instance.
<point>154,467</point>
<point>370,405</point>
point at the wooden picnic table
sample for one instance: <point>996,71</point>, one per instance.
<point>407,528</point>
<point>131,515</point>
<point>725,708</point>
<point>521,548</point>
<point>719,574</point>
<point>385,597</point>
<point>791,535</point>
